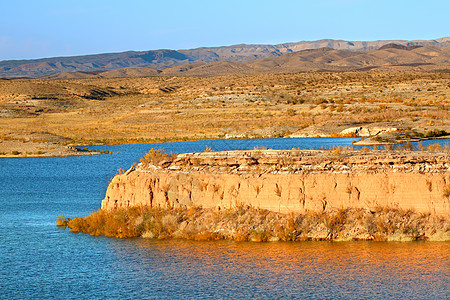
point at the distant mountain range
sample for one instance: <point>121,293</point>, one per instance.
<point>322,55</point>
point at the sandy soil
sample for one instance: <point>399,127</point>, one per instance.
<point>166,109</point>
<point>16,148</point>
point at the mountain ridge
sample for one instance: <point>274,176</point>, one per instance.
<point>163,59</point>
<point>427,58</point>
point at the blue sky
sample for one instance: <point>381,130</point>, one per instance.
<point>46,28</point>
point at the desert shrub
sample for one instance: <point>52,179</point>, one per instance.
<point>156,157</point>
<point>77,224</point>
<point>245,223</point>
<point>334,222</point>
<point>169,223</point>
<point>388,147</point>
<point>434,147</point>
<point>420,146</point>
<point>339,151</point>
<point>62,221</point>
<point>118,223</point>
<point>369,224</point>
<point>408,146</point>
<point>435,133</point>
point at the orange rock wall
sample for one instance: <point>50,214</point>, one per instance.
<point>423,192</point>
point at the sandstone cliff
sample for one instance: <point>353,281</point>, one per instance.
<point>288,181</point>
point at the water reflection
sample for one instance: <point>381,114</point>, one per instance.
<point>272,270</point>
<point>39,260</point>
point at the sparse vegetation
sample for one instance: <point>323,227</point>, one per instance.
<point>156,157</point>
<point>62,221</point>
<point>436,133</point>
<point>137,110</point>
<point>250,224</point>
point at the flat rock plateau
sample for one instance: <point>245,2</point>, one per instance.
<point>289,181</point>
<point>272,195</point>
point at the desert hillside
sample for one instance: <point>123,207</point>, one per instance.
<point>388,105</point>
<point>91,65</point>
<point>388,57</point>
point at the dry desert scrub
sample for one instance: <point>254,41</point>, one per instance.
<point>250,224</point>
<point>156,157</point>
<point>156,109</point>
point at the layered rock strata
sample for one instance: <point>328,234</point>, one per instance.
<point>289,181</point>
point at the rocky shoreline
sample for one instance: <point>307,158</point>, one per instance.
<point>22,149</point>
<point>245,223</point>
<point>296,161</point>
<point>287,180</point>
<point>41,144</point>
<point>268,195</point>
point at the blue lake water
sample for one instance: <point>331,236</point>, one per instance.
<point>39,260</point>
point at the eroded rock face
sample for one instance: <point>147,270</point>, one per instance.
<point>367,131</point>
<point>289,181</point>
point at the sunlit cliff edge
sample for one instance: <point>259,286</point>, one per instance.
<point>272,195</point>
<point>289,181</point>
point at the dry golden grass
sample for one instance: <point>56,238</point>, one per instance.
<point>250,224</point>
<point>130,110</point>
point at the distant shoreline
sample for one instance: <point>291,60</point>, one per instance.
<point>23,149</point>
<point>34,149</point>
<point>39,115</point>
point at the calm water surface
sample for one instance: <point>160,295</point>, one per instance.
<point>38,260</point>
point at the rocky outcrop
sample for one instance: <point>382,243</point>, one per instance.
<point>367,131</point>
<point>330,130</point>
<point>289,181</point>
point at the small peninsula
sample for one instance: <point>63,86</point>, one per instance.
<point>270,195</point>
